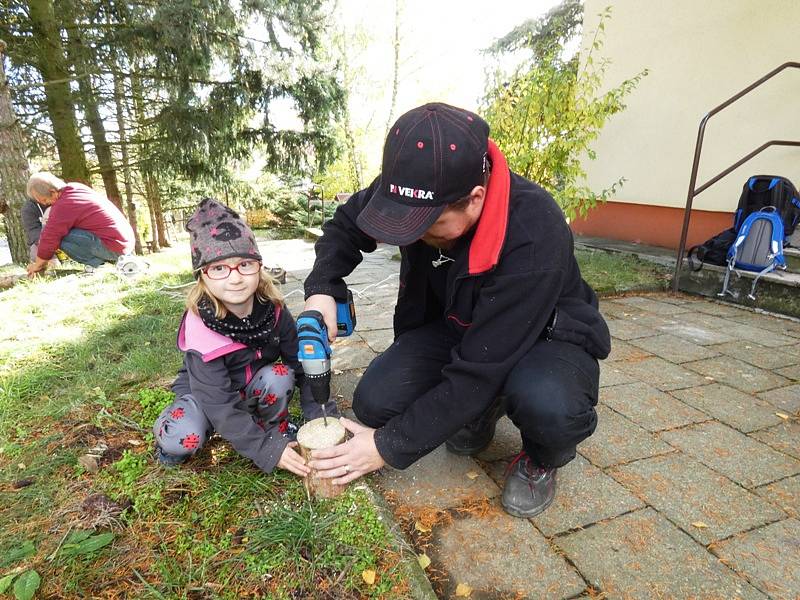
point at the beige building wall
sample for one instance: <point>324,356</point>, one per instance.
<point>698,53</point>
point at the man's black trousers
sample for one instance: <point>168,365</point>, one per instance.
<point>550,394</point>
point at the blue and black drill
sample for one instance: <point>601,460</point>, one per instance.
<point>314,351</point>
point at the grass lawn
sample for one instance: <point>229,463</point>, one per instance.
<point>86,363</point>
<point>611,273</point>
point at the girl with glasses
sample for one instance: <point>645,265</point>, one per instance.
<point>240,363</point>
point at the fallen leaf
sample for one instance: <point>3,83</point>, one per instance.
<point>463,590</point>
<point>424,561</point>
<point>22,483</point>
<point>421,528</point>
<point>368,576</point>
<point>473,474</point>
<point>782,415</point>
<point>700,525</point>
<point>135,442</point>
<point>709,378</point>
<point>21,466</point>
<point>89,462</point>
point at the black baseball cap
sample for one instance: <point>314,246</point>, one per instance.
<point>434,155</point>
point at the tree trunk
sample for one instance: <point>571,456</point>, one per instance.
<point>150,184</point>
<point>88,98</point>
<point>163,240</point>
<point>119,99</point>
<point>396,69</point>
<point>13,169</point>
<point>316,435</point>
<point>52,65</point>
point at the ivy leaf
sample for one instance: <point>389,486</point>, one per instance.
<point>5,582</point>
<point>18,554</point>
<point>463,590</point>
<point>424,561</point>
<point>88,545</point>
<point>26,585</point>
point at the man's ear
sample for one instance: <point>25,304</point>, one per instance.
<point>477,196</point>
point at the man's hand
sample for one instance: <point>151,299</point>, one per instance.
<point>349,461</point>
<point>326,305</point>
<point>36,267</point>
<point>292,461</point>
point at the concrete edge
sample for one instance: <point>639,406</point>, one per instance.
<point>419,586</point>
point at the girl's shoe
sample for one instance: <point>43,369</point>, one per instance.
<point>168,460</point>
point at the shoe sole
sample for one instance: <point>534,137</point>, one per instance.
<point>529,514</point>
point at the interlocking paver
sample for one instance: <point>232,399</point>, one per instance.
<point>378,339</point>
<point>784,437</point>
<point>720,310</point>
<point>792,372</point>
<point>700,501</point>
<point>674,349</point>
<point>654,306</point>
<point>661,373</point>
<point>610,374</point>
<point>760,335</point>
<point>343,384</point>
<point>351,353</point>
<point>439,480</point>
<point>760,356</point>
<point>625,351</point>
<point>506,443</point>
<point>499,556</point>
<point>783,326</point>
<point>768,557</point>
<point>618,440</point>
<point>779,325</point>
<point>785,398</point>
<point>627,329</point>
<point>649,407</point>
<point>738,374</point>
<point>741,411</point>
<point>585,495</point>
<point>613,309</point>
<point>699,334</point>
<point>738,457</point>
<point>785,494</point>
<point>642,555</point>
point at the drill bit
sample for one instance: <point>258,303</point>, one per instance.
<point>324,415</point>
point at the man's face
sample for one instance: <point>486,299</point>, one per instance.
<point>453,223</point>
<point>47,200</point>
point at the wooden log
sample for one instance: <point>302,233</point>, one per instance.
<point>314,435</point>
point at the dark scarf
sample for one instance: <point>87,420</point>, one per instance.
<point>254,331</point>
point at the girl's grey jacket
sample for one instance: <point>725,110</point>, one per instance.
<point>215,370</point>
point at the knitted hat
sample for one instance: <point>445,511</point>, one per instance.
<point>216,232</point>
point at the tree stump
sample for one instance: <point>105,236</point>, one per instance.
<point>314,435</point>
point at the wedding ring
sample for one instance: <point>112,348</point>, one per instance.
<point>346,469</point>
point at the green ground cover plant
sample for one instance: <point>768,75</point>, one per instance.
<point>611,273</point>
<point>85,511</point>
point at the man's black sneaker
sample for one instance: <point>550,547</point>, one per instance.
<point>474,437</point>
<point>529,489</point>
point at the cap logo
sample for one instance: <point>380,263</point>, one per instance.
<point>410,192</point>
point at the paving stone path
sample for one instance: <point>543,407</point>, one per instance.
<point>690,487</point>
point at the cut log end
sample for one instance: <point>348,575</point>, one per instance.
<point>315,435</point>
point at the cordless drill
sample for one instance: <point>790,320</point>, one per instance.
<point>314,351</point>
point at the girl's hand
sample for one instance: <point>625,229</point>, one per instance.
<point>292,461</point>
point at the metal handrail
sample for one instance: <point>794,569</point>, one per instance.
<point>696,162</point>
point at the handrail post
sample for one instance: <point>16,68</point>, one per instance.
<point>696,163</point>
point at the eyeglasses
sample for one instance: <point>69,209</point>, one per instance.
<point>222,271</point>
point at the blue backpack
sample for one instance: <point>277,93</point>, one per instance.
<point>758,247</point>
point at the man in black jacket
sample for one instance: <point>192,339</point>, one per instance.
<point>492,314</point>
